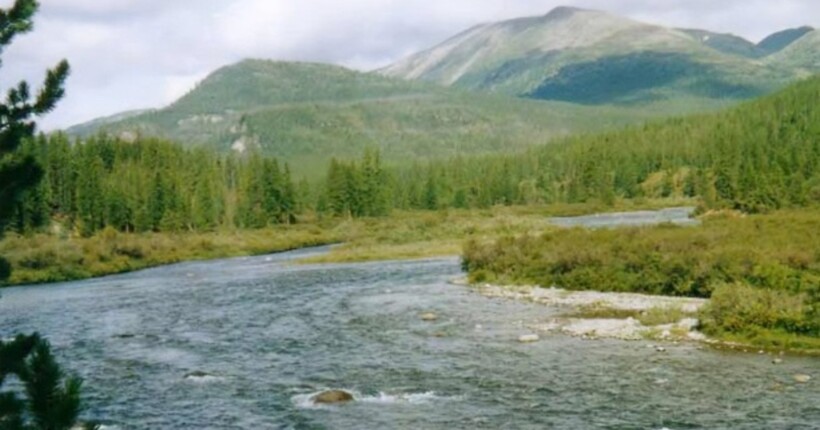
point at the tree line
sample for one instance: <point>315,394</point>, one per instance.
<point>150,185</point>
<point>760,156</point>
<point>763,155</point>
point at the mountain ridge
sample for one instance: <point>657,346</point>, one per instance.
<point>520,56</point>
<point>306,113</point>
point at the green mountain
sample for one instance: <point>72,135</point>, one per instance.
<point>780,40</point>
<point>307,113</point>
<point>594,57</point>
<point>725,43</point>
<point>801,56</point>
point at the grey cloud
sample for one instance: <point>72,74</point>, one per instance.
<point>130,54</point>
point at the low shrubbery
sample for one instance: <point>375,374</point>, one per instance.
<point>762,271</point>
<point>49,258</point>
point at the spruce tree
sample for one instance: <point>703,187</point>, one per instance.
<point>52,401</point>
<point>18,172</point>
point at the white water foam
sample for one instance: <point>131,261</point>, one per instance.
<point>411,398</point>
<point>305,401</point>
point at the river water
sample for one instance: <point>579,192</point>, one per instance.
<point>267,334</point>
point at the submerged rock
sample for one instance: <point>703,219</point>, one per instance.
<point>332,397</point>
<point>199,376</point>
<point>802,379</point>
<point>529,338</point>
<point>429,316</point>
<point>124,336</point>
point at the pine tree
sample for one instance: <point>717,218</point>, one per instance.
<point>53,400</point>
<point>19,173</point>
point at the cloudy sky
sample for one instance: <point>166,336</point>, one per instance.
<point>131,54</point>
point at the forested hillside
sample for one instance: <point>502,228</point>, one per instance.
<point>760,156</point>
<point>307,113</point>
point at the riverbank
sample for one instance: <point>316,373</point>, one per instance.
<point>595,315</point>
<point>43,258</point>
<point>592,315</point>
<point>57,257</point>
<point>760,272</point>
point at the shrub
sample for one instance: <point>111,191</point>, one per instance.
<point>739,308</point>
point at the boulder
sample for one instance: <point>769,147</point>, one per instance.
<point>429,316</point>
<point>802,379</point>
<point>529,338</point>
<point>332,397</point>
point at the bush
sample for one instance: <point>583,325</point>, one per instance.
<point>762,271</point>
<point>739,308</point>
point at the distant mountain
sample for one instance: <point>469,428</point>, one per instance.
<point>725,43</point>
<point>594,57</point>
<point>307,113</point>
<point>94,125</point>
<point>571,71</point>
<point>801,56</point>
<point>780,40</point>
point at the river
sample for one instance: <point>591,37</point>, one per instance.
<point>266,334</point>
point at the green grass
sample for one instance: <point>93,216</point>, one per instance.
<point>652,317</point>
<point>663,315</point>
<point>421,234</point>
<point>50,258</point>
<point>762,272</point>
<point>44,258</point>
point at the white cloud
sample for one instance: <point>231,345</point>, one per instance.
<point>128,54</point>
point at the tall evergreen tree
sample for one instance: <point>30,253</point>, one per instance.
<point>19,173</point>
<point>52,400</point>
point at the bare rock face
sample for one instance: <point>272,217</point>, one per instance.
<point>332,397</point>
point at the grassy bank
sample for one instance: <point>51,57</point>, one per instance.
<point>45,258</point>
<point>762,272</point>
<point>49,258</point>
<point>420,234</point>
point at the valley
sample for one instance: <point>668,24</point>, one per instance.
<point>573,219</point>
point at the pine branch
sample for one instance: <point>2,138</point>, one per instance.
<point>53,89</point>
<point>17,20</point>
<point>52,403</point>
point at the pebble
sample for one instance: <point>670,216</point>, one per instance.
<point>429,316</point>
<point>660,349</point>
<point>802,379</point>
<point>777,361</point>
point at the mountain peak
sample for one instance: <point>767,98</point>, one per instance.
<point>563,12</point>
<point>782,39</point>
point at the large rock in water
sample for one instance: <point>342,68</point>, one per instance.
<point>332,397</point>
<point>429,316</point>
<point>529,338</point>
